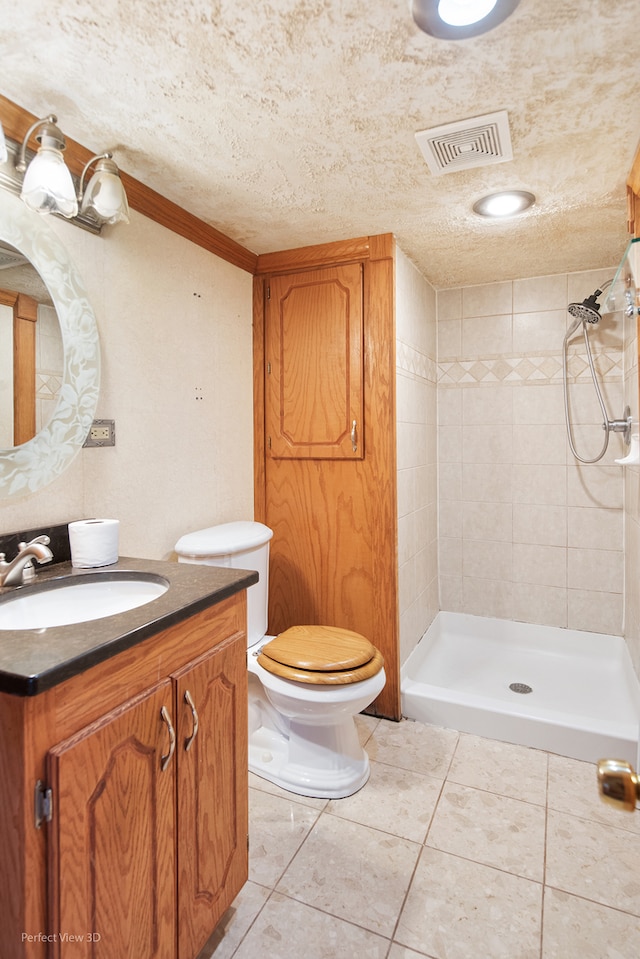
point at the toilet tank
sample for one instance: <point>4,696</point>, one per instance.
<point>240,545</point>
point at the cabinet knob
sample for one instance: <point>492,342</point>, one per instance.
<point>354,436</point>
<point>166,718</point>
<point>188,743</point>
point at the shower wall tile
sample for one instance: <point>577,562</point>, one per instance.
<point>595,528</point>
<point>450,339</point>
<point>533,332</point>
<point>451,593</point>
<point>588,280</point>
<point>487,299</point>
<point>450,481</point>
<point>486,444</point>
<point>482,405</point>
<point>600,570</point>
<point>486,335</point>
<point>416,451</point>
<point>487,559</point>
<point>539,565</point>
<point>540,525</point>
<point>545,605</point>
<point>538,405</point>
<point>449,440</point>
<point>449,304</point>
<point>599,486</point>
<point>540,445</point>
<point>450,556</point>
<point>526,532</point>
<point>540,293</point>
<point>539,485</point>
<point>487,597</point>
<point>407,492</point>
<point>450,408</point>
<point>487,521</point>
<point>450,518</point>
<point>487,482</point>
<point>597,612</point>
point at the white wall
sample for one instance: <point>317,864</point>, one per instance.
<point>175,336</point>
<point>416,452</point>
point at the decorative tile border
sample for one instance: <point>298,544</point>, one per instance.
<point>532,370</point>
<point>410,360</point>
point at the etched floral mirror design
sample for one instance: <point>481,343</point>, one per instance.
<point>29,467</point>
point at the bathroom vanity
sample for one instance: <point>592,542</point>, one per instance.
<point>123,773</point>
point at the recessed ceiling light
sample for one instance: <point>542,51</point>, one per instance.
<point>459,19</point>
<point>507,203</point>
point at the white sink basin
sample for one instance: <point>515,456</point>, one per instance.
<point>79,599</point>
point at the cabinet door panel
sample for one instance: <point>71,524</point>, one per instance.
<point>212,790</point>
<point>112,863</point>
<point>314,350</point>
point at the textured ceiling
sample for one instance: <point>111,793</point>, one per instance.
<point>292,122</point>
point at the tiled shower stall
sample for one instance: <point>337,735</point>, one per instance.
<point>496,517</point>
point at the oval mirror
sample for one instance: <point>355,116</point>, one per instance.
<point>31,352</point>
<point>41,459</point>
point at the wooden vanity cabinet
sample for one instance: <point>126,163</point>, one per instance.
<point>146,758</point>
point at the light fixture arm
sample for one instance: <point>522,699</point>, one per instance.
<point>51,131</point>
<point>101,156</point>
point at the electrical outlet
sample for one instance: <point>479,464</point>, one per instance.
<point>101,433</point>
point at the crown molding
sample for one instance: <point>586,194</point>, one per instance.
<point>16,121</point>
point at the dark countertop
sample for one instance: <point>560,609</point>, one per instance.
<point>32,660</point>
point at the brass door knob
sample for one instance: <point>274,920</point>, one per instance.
<point>618,783</point>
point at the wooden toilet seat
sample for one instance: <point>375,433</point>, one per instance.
<point>322,655</point>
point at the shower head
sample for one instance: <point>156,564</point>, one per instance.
<point>588,311</point>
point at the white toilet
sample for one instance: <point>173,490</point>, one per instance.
<point>305,686</point>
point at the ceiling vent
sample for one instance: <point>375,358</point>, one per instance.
<point>478,141</point>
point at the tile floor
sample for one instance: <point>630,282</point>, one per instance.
<point>457,848</point>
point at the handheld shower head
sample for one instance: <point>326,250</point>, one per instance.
<point>588,311</point>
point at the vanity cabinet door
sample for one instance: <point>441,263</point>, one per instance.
<point>212,790</point>
<point>112,851</point>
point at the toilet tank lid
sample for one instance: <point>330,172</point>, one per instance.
<point>223,540</point>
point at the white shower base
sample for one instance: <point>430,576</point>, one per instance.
<point>585,699</point>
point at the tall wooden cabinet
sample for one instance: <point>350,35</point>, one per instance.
<point>145,755</point>
<point>324,373</point>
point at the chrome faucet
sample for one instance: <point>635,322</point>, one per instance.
<point>21,569</point>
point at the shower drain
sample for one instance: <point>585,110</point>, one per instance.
<point>520,688</point>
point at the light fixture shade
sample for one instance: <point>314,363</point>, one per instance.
<point>3,146</point>
<point>505,204</point>
<point>460,19</point>
<point>105,197</point>
<point>47,186</point>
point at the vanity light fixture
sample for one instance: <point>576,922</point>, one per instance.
<point>104,198</point>
<point>48,186</point>
<point>459,19</point>
<point>505,204</point>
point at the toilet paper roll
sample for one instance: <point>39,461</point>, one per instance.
<point>93,542</point>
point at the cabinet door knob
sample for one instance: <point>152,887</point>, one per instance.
<point>194,713</point>
<point>354,436</point>
<point>165,717</point>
